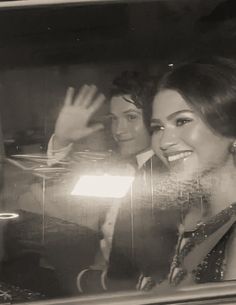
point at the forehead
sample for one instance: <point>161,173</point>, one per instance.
<point>167,102</point>
<point>118,105</point>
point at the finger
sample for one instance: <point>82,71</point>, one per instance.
<point>79,99</point>
<point>88,99</point>
<point>69,96</point>
<point>97,103</point>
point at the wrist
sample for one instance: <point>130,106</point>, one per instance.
<point>60,142</point>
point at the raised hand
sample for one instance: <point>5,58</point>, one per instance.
<point>73,121</point>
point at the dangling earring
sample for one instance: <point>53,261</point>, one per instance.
<point>233,148</point>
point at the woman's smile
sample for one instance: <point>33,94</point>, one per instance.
<point>175,156</point>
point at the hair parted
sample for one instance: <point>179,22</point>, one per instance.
<point>209,87</point>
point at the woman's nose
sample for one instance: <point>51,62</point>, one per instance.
<point>168,139</point>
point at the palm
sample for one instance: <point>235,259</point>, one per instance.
<point>73,121</point>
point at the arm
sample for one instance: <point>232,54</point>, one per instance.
<point>73,121</point>
<point>57,155</point>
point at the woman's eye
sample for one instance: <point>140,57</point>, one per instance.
<point>181,122</point>
<point>156,128</point>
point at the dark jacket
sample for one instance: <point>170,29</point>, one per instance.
<point>145,235</point>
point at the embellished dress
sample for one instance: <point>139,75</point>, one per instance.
<point>201,255</point>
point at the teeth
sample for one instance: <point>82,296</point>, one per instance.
<point>179,156</point>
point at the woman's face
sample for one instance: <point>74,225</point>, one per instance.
<point>128,128</point>
<point>182,140</point>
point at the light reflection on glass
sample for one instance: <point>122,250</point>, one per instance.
<point>105,186</point>
<point>8,215</point>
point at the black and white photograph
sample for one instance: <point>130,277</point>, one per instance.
<point>118,152</point>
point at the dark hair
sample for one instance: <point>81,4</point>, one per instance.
<point>141,89</point>
<point>209,86</point>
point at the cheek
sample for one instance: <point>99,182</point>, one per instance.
<point>209,147</point>
<point>215,150</point>
<point>141,131</point>
<point>196,137</point>
<point>138,127</point>
<point>140,134</point>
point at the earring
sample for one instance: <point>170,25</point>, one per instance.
<point>233,148</point>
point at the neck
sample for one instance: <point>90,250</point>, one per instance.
<point>219,188</point>
<point>223,187</point>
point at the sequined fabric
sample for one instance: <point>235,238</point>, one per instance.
<point>211,267</point>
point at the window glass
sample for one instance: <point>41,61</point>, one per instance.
<point>88,205</point>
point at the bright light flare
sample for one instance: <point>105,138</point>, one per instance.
<point>8,215</point>
<point>105,186</point>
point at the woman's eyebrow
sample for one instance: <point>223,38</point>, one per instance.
<point>171,116</point>
<point>174,114</point>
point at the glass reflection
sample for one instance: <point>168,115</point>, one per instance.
<point>77,115</point>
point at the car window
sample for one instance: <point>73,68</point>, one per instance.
<point>80,210</point>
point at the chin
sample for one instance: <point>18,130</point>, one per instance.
<point>187,169</point>
<point>125,153</point>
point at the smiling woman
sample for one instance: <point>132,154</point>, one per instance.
<point>194,132</point>
<point>182,139</point>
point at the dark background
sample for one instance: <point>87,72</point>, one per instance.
<point>45,49</point>
<point>161,30</point>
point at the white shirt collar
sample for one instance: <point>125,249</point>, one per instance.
<point>144,156</point>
